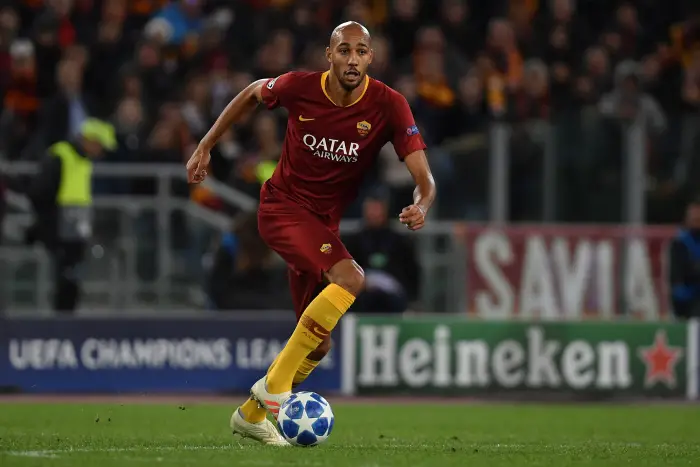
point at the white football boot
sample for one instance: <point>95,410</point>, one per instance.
<point>264,432</point>
<point>270,402</point>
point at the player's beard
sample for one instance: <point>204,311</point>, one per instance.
<point>349,87</point>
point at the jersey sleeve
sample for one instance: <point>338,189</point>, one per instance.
<point>277,91</point>
<point>406,136</point>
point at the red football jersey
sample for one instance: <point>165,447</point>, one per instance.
<point>327,149</point>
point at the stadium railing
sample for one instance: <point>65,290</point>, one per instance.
<point>140,258</point>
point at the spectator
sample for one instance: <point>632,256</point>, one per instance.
<point>140,11</point>
<point>531,101</point>
<point>170,137</point>
<point>177,23</point>
<point>275,56</point>
<point>358,10</point>
<point>112,47</point>
<point>130,123</point>
<point>9,27</point>
<point>266,146</point>
<point>561,18</point>
<point>595,80</point>
<point>155,74</point>
<point>503,51</point>
<point>688,169</point>
<point>61,195</point>
<point>398,180</point>
<point>402,26</point>
<point>63,115</point>
<point>391,268</point>
<point>470,111</point>
<point>60,13</point>
<point>628,102</point>
<point>131,86</point>
<point>226,155</point>
<point>303,28</point>
<point>627,26</point>
<point>435,70</point>
<point>196,109</point>
<point>684,265</point>
<point>212,54</point>
<point>45,34</point>
<point>240,274</point>
<point>20,103</point>
<point>381,61</point>
<point>459,28</point>
<point>530,109</point>
<point>268,143</point>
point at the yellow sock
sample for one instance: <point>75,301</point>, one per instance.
<point>252,413</point>
<point>272,365</point>
<point>305,369</point>
<point>250,410</point>
<point>318,320</point>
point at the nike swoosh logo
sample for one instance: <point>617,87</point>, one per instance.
<point>302,119</point>
<point>319,331</point>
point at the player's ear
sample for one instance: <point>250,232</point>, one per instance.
<point>371,56</point>
<point>328,54</point>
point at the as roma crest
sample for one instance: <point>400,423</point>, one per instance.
<point>363,127</point>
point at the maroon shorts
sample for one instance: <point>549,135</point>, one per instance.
<point>304,241</point>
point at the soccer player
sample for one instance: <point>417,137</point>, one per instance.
<point>338,121</point>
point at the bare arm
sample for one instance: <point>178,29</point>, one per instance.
<point>424,194</point>
<point>239,108</point>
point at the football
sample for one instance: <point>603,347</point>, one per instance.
<point>305,419</point>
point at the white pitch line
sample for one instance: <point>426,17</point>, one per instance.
<point>40,454</point>
<point>48,453</point>
<point>518,446</point>
<point>56,452</point>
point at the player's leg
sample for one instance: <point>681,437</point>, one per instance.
<point>304,287</point>
<point>315,326</point>
<point>264,432</point>
<point>308,288</point>
<point>307,245</point>
<point>311,362</point>
<point>250,421</point>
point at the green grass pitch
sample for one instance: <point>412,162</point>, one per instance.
<point>365,435</point>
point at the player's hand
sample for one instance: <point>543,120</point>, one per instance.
<point>197,165</point>
<point>413,217</point>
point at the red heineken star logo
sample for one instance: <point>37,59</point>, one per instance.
<point>660,360</point>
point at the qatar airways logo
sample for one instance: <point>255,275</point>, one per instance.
<point>332,149</point>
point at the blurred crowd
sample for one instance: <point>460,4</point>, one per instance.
<point>564,73</point>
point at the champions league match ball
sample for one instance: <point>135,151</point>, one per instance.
<point>305,419</point>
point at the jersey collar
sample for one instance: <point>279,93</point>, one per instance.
<point>324,78</point>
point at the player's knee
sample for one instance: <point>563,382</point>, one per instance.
<point>321,351</point>
<point>353,282</point>
<point>348,275</point>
